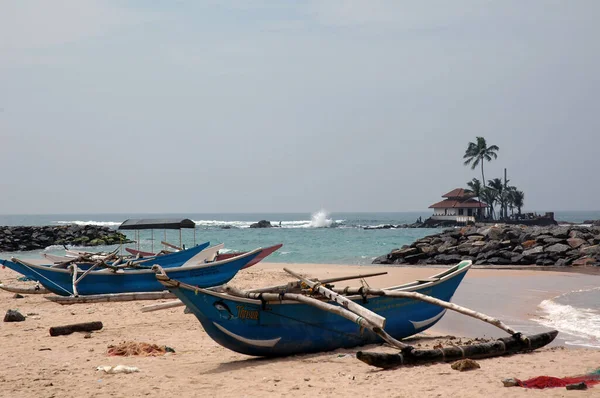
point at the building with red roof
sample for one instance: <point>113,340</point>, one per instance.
<point>459,205</point>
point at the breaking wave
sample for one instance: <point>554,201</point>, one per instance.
<point>98,223</point>
<point>570,314</point>
<point>320,219</point>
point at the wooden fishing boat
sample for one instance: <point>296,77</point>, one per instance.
<point>283,321</point>
<point>267,251</point>
<point>75,281</point>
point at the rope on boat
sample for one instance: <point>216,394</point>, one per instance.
<point>44,277</point>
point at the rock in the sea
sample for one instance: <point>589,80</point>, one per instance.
<point>465,364</point>
<point>261,224</point>
<point>13,316</point>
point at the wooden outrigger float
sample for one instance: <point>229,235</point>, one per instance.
<point>311,316</point>
<point>37,289</point>
<point>503,346</point>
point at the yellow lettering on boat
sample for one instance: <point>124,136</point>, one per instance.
<point>243,313</point>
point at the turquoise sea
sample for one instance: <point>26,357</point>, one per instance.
<point>320,237</point>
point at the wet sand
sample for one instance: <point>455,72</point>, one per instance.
<point>37,365</point>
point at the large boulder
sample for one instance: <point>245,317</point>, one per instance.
<point>261,224</point>
<point>492,233</point>
<point>533,252</point>
<point>557,248</point>
<point>560,232</point>
<point>590,250</point>
<point>448,258</point>
<point>575,242</point>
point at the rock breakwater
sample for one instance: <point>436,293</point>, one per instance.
<point>503,245</point>
<point>21,238</point>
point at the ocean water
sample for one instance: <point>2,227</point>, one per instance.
<point>320,237</point>
<point>576,314</point>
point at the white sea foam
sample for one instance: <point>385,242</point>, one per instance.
<point>583,323</point>
<point>319,219</point>
<point>98,223</point>
<point>220,224</point>
<point>54,248</point>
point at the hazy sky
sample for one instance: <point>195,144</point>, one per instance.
<point>249,106</point>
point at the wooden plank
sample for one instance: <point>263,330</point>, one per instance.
<point>162,306</point>
<point>103,298</point>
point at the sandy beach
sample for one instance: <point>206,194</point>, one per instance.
<point>37,365</point>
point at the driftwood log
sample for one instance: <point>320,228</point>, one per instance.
<point>77,327</point>
<point>503,346</point>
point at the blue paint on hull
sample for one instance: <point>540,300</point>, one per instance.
<point>278,329</point>
<point>59,281</point>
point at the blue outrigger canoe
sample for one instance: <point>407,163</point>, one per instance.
<point>282,327</point>
<point>106,281</point>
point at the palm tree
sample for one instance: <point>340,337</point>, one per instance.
<point>475,187</point>
<point>498,186</point>
<point>518,198</point>
<point>489,195</point>
<point>477,152</point>
<point>510,199</point>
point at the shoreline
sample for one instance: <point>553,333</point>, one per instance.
<point>35,364</point>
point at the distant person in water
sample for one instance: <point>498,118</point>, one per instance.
<point>279,224</point>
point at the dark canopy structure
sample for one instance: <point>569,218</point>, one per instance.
<point>157,223</point>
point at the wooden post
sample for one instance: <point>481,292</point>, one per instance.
<point>73,268</point>
<point>372,317</point>
<point>77,327</point>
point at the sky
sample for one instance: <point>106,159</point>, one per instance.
<point>275,106</point>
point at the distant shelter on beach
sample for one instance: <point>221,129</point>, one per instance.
<point>459,206</point>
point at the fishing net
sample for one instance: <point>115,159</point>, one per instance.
<point>128,348</point>
<point>541,382</point>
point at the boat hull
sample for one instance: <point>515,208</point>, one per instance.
<point>60,281</point>
<point>285,328</point>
